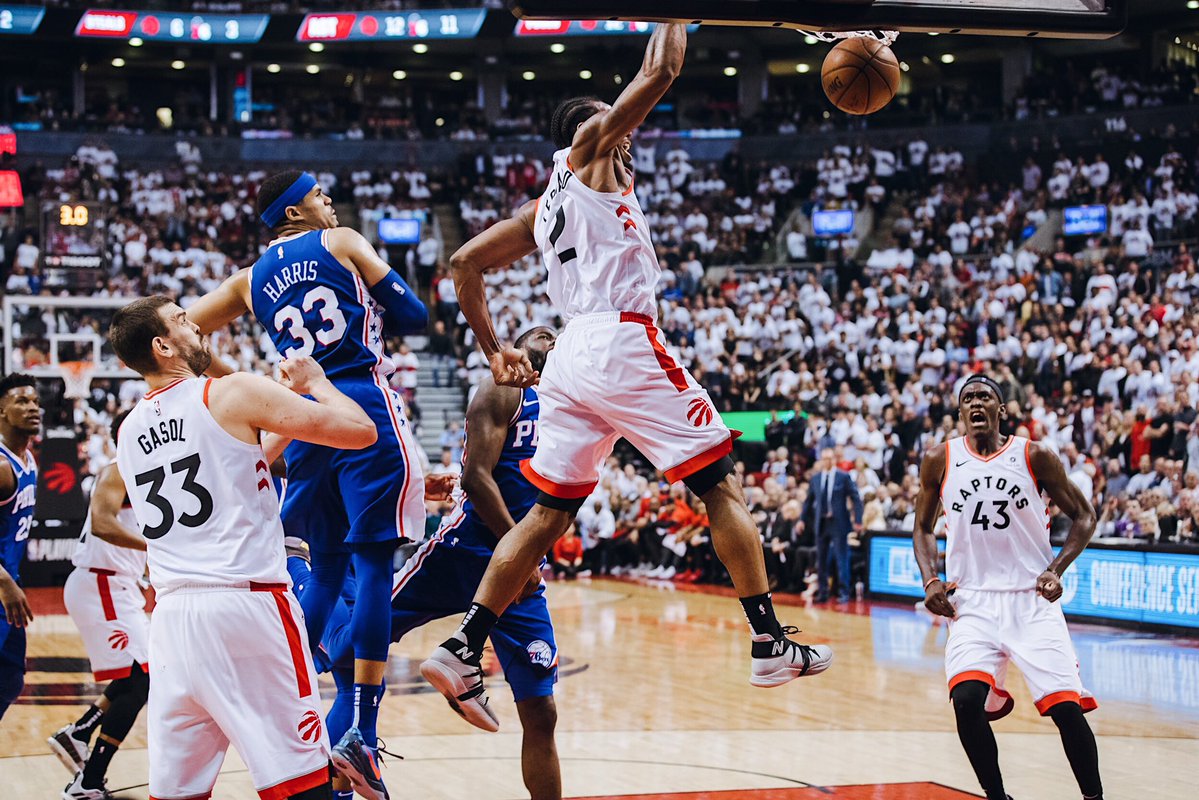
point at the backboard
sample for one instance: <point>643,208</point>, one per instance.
<point>1071,19</point>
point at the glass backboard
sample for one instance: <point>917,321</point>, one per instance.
<point>1081,19</point>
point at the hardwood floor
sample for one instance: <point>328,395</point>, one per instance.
<point>654,702</point>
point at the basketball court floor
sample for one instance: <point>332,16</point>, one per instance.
<point>654,702</point>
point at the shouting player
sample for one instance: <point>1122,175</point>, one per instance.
<point>440,577</point>
<point>106,604</point>
<point>315,290</point>
<point>20,421</point>
<point>230,664</point>
<point>609,377</point>
<point>1005,582</point>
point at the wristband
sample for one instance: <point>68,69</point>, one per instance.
<point>930,582</point>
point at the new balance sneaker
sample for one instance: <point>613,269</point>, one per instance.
<point>70,751</point>
<point>779,660</point>
<point>459,678</point>
<point>359,764</point>
<point>75,790</point>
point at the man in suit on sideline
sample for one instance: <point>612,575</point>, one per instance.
<point>827,503</point>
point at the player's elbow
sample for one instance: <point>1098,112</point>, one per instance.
<point>463,264</point>
<point>361,434</point>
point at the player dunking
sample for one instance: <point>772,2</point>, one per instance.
<point>106,604</point>
<point>608,377</point>
<point>440,577</point>
<point>316,290</point>
<point>230,664</point>
<point>1005,582</point>
<point>20,421</point>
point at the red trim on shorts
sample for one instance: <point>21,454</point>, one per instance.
<point>972,675</point>
<point>673,371</point>
<point>110,611</point>
<point>117,674</point>
<point>281,791</point>
<point>166,388</point>
<point>640,319</point>
<point>204,796</point>
<point>562,491</point>
<point>291,631</point>
<point>1057,698</point>
<point>704,459</point>
<point>207,386</point>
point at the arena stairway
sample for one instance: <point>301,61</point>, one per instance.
<point>439,406</point>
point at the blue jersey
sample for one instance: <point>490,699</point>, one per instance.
<point>16,512</point>
<point>311,305</point>
<point>519,494</point>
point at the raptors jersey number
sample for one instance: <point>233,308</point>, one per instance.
<point>996,522</point>
<point>596,247</point>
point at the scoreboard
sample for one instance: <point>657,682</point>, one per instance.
<point>74,244</point>
<point>167,27</point>
<point>385,26</point>
<point>20,20</point>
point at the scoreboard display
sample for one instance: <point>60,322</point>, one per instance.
<point>20,20</point>
<point>585,27</point>
<point>166,27</point>
<point>385,26</point>
<point>74,251</point>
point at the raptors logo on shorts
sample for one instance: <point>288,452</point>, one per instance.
<point>118,640</point>
<point>699,412</point>
<point>310,726</point>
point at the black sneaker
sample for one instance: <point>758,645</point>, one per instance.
<point>458,675</point>
<point>358,763</point>
<point>778,660</point>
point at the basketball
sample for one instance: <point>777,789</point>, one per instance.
<point>860,75</point>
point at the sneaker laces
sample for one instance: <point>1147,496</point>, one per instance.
<point>381,747</point>
<point>807,652</point>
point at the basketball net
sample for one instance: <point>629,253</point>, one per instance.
<point>886,37</point>
<point>77,375</point>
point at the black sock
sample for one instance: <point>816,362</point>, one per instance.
<point>1079,743</point>
<point>475,628</point>
<point>760,611</point>
<point>85,725</point>
<point>978,740</point>
<point>97,763</point>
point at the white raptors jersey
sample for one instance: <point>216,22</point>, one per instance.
<point>995,520</point>
<point>92,552</point>
<point>204,499</point>
<point>596,247</point>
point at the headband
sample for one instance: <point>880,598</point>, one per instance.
<point>983,379</point>
<point>290,197</point>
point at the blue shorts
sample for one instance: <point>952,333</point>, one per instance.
<point>12,655</point>
<point>440,580</point>
<point>339,497</point>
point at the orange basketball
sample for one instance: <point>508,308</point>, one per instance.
<point>860,75</point>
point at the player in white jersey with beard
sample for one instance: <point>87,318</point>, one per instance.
<point>230,657</point>
<point>106,603</point>
<point>1003,582</point>
<point>608,377</point>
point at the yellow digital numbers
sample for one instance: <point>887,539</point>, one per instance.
<point>72,215</point>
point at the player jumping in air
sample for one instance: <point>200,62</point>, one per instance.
<point>1005,582</point>
<point>608,377</point>
<point>318,290</point>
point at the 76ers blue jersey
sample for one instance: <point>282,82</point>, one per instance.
<point>519,495</point>
<point>311,305</point>
<point>16,512</point>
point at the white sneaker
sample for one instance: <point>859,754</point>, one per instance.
<point>70,751</point>
<point>668,573</point>
<point>461,684</point>
<point>779,660</point>
<point>75,791</point>
<point>656,572</point>
<point>616,572</point>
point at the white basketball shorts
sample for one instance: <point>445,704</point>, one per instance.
<point>109,610</point>
<point>992,628</point>
<point>608,377</point>
<point>233,666</point>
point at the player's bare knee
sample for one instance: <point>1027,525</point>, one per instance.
<point>538,716</point>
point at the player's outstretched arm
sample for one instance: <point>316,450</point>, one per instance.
<point>246,405</point>
<point>108,495</point>
<point>404,311</point>
<point>1050,475</point>
<point>498,246</point>
<point>222,305</point>
<point>663,62</point>
<point>924,541</point>
<point>487,420</point>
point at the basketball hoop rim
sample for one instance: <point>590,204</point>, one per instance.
<point>886,37</point>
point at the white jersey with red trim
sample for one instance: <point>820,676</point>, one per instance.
<point>596,247</point>
<point>204,499</point>
<point>996,523</point>
<point>92,552</point>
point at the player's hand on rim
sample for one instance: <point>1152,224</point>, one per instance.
<point>1049,586</point>
<point>511,367</point>
<point>300,374</point>
<point>936,599</point>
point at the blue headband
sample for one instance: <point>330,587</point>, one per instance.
<point>293,195</point>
